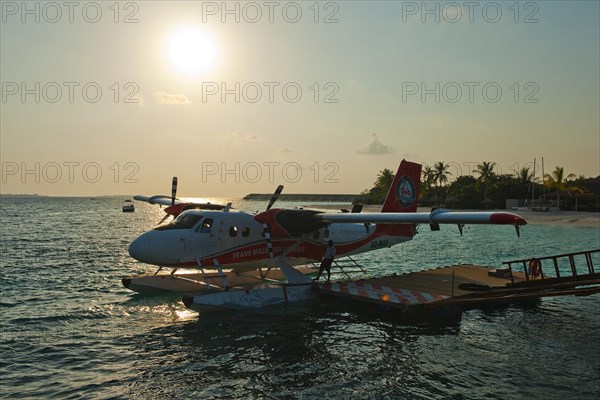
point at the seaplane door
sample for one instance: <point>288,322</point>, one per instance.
<point>228,237</point>
<point>203,239</point>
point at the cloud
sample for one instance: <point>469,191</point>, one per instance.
<point>167,98</point>
<point>375,147</point>
<point>238,138</point>
<point>287,151</point>
<point>180,137</point>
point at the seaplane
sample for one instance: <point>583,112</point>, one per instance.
<point>282,239</point>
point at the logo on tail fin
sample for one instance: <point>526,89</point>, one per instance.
<point>405,191</point>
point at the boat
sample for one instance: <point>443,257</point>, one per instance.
<point>128,206</point>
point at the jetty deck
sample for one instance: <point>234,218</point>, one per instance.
<point>466,285</point>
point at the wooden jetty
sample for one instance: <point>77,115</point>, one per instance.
<point>472,285</point>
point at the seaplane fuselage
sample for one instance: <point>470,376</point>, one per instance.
<point>236,240</point>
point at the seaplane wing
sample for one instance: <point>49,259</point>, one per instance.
<point>299,222</point>
<point>439,216</point>
<point>400,207</point>
<point>162,199</point>
<point>158,199</point>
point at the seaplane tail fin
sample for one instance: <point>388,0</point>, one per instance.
<point>403,195</point>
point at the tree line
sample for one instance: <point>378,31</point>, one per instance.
<point>484,189</point>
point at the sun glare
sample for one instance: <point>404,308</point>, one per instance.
<point>191,51</point>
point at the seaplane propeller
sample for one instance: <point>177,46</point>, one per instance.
<point>297,223</point>
<point>173,190</point>
<point>266,227</point>
<point>274,197</point>
<point>266,218</point>
<point>173,198</point>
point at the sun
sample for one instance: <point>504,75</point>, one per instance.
<point>191,51</point>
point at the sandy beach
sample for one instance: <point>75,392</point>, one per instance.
<point>575,218</point>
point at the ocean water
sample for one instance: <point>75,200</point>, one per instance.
<point>70,330</point>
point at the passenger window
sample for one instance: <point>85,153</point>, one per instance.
<point>233,231</point>
<point>326,234</point>
<point>205,226</point>
<point>316,235</point>
<point>246,232</point>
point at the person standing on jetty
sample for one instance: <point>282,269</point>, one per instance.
<point>327,260</point>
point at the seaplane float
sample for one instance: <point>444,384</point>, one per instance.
<point>242,260</point>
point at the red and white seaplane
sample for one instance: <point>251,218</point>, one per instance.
<point>246,243</point>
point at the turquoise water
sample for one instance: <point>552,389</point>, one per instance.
<point>70,330</point>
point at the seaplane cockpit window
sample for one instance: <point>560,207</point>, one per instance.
<point>205,226</point>
<point>187,220</point>
<point>183,221</point>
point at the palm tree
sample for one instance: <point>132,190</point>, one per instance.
<point>526,180</point>
<point>486,171</point>
<point>486,175</point>
<point>440,175</point>
<point>428,176</point>
<point>441,172</point>
<point>524,176</point>
<point>557,180</point>
<point>384,179</point>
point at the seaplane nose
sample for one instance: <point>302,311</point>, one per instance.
<point>138,249</point>
<point>153,247</point>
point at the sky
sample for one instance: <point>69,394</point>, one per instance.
<point>106,97</point>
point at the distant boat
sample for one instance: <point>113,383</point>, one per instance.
<point>128,206</point>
